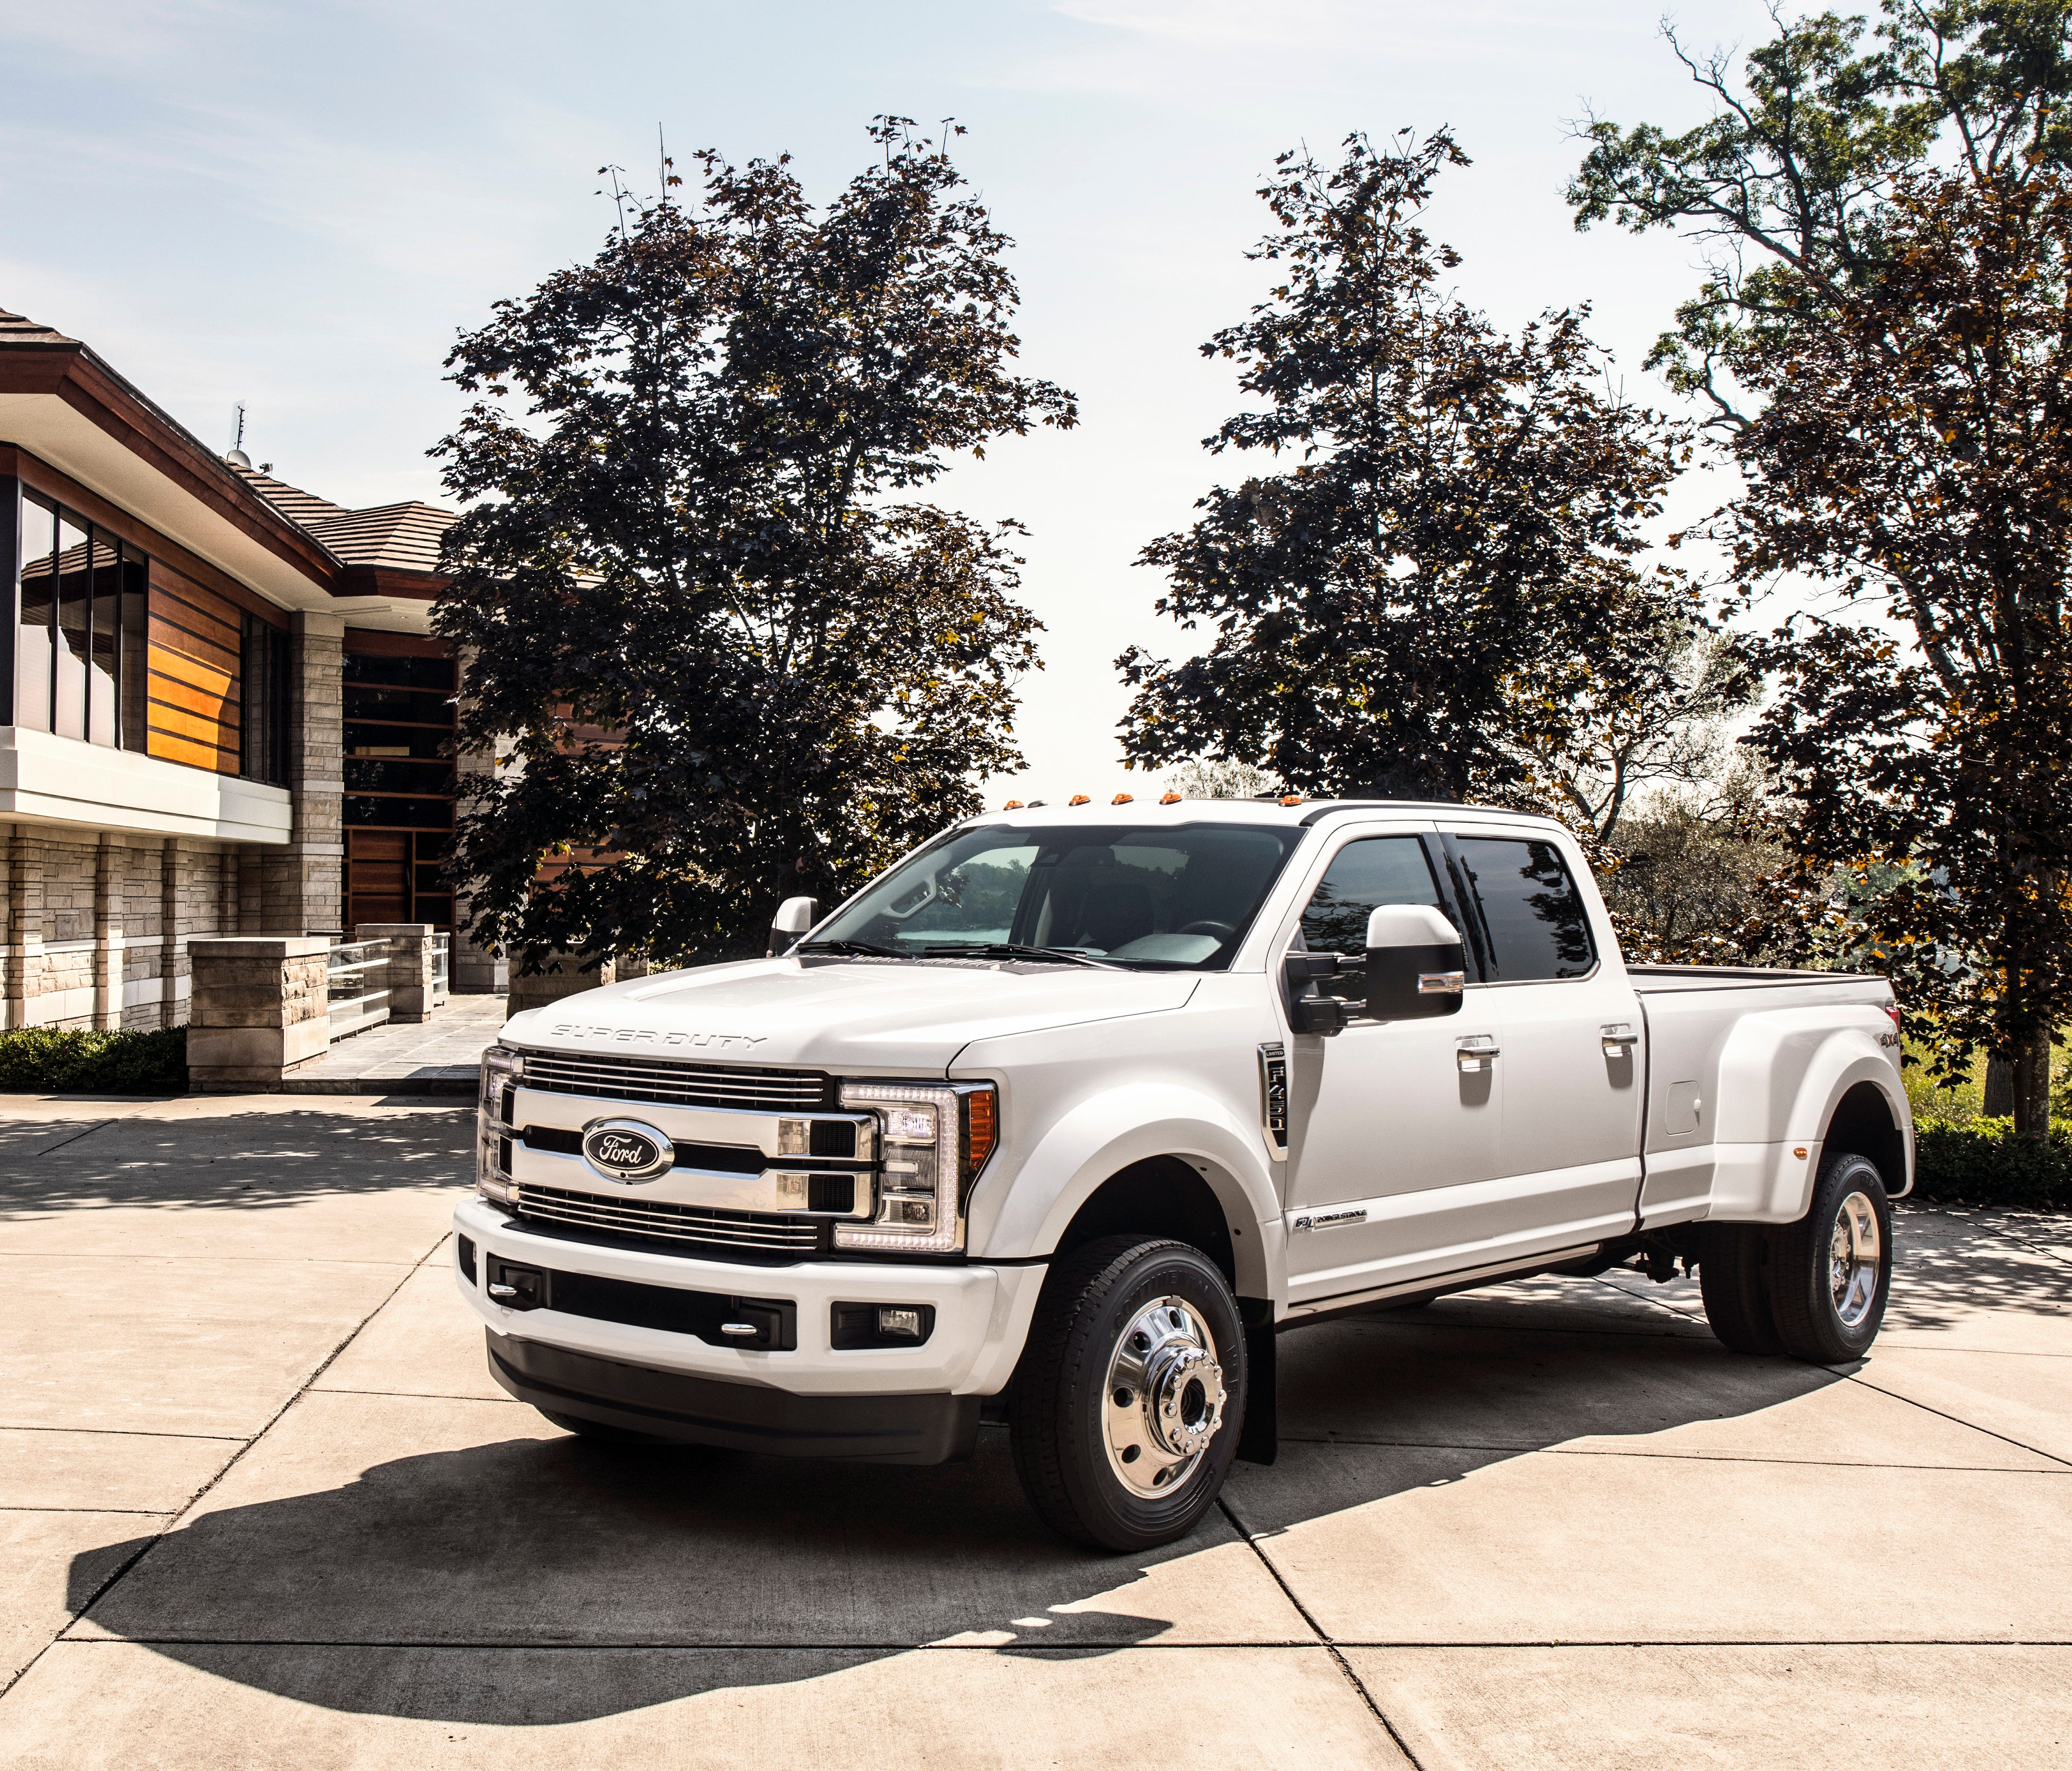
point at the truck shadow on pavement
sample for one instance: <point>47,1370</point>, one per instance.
<point>242,1160</point>
<point>533,1578</point>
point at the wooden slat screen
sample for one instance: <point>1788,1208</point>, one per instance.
<point>196,708</point>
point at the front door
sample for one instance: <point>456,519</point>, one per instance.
<point>1394,1127</point>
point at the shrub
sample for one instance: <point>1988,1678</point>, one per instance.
<point>127,1061</point>
<point>1980,1162</point>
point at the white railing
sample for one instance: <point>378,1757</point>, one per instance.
<point>356,982</point>
<point>441,967</point>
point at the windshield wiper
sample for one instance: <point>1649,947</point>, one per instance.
<point>1015,950</point>
<point>870,947</point>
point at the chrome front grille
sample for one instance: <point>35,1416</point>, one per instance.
<point>734,1087</point>
<point>661,1220</point>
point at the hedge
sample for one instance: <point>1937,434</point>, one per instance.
<point>1981,1162</point>
<point>128,1061</point>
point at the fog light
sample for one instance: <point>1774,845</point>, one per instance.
<point>902,1323</point>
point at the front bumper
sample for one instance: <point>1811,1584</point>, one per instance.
<point>922,1429</point>
<point>981,1316</point>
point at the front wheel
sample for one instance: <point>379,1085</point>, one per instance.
<point>1830,1272</point>
<point>1125,1411</point>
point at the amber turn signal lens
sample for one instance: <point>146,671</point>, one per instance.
<point>981,1125</point>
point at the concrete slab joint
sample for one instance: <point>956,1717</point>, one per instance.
<point>260,1010</point>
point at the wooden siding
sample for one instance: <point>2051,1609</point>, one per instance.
<point>196,710</point>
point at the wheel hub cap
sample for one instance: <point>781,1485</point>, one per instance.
<point>1855,1256</point>
<point>1165,1397</point>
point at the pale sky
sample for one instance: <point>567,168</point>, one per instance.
<point>297,206</point>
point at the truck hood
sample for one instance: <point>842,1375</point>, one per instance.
<point>836,1014</point>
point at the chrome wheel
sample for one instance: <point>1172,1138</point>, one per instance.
<point>1855,1257</point>
<point>1164,1399</point>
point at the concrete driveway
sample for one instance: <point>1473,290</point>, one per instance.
<point>262,1507</point>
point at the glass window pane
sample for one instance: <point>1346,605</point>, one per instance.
<point>1537,927</point>
<point>75,585</point>
<point>106,612</point>
<point>32,638</point>
<point>136,655</point>
<point>1363,876</point>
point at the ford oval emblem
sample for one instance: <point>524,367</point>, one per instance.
<point>626,1151</point>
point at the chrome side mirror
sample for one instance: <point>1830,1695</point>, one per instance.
<point>794,916</point>
<point>1416,967</point>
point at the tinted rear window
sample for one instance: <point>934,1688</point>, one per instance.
<point>1535,916</point>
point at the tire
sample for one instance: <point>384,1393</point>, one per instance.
<point>601,1432</point>
<point>1152,1321</point>
<point>1734,1279</point>
<point>1830,1272</point>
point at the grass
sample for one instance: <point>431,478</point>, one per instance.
<point>129,1061</point>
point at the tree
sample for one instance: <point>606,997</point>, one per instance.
<point>1447,572</point>
<point>1915,453</point>
<point>1878,333</point>
<point>1787,186</point>
<point>1657,721</point>
<point>1206,778</point>
<point>738,659</point>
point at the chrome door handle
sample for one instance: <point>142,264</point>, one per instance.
<point>1619,1039</point>
<point>1476,1053</point>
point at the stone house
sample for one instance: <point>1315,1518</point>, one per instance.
<point>222,711</point>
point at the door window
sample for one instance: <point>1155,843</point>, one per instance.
<point>1534,914</point>
<point>1364,875</point>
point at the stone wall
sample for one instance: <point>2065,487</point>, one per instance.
<point>86,917</point>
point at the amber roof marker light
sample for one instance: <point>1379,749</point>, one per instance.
<point>1169,798</point>
<point>1012,805</point>
<point>1291,798</point>
<point>1122,799</point>
<point>1079,800</point>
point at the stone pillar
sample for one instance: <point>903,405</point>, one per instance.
<point>259,1011</point>
<point>305,881</point>
<point>25,963</point>
<point>173,872</point>
<point>409,965</point>
<point>110,938</point>
<point>561,975</point>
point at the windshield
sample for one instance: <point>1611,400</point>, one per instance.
<point>1175,897</point>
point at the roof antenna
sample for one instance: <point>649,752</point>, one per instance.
<point>238,457</point>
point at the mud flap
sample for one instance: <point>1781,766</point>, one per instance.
<point>1259,1438</point>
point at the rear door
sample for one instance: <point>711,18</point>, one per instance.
<point>1394,1138</point>
<point>1569,1027</point>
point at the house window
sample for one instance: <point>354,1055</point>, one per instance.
<point>263,684</point>
<point>399,779</point>
<point>79,635</point>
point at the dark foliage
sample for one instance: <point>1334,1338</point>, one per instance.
<point>739,663</point>
<point>128,1061</point>
<point>1441,588</point>
<point>1983,1163</point>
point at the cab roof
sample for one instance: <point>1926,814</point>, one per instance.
<point>1303,812</point>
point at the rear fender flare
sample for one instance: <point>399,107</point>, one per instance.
<point>1782,1074</point>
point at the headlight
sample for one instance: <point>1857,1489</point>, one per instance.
<point>501,1069</point>
<point>932,1143</point>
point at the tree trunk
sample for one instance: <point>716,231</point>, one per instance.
<point>2000,1088</point>
<point>2032,1088</point>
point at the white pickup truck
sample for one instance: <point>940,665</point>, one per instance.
<point>1063,1119</point>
